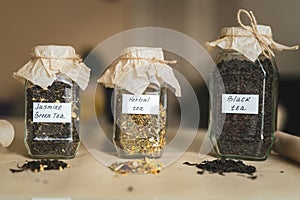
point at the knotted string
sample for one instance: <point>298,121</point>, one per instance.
<point>152,59</point>
<point>267,51</point>
<point>64,58</point>
<point>49,72</point>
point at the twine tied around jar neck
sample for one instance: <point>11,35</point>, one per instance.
<point>250,40</point>
<point>48,61</point>
<point>78,59</point>
<point>137,68</point>
<point>152,59</point>
<point>267,51</point>
<point>51,70</point>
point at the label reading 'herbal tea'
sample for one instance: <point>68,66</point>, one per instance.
<point>52,112</point>
<point>240,103</point>
<point>143,104</point>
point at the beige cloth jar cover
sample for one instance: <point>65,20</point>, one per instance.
<point>251,40</point>
<point>48,61</point>
<point>137,68</point>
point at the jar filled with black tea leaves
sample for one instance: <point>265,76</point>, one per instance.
<point>244,91</point>
<point>53,78</point>
<point>140,79</point>
<point>249,105</point>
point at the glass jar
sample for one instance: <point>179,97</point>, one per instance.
<point>140,122</point>
<point>52,119</point>
<point>243,117</point>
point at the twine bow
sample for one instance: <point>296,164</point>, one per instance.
<point>267,51</point>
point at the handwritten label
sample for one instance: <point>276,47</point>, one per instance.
<point>143,104</point>
<point>240,103</point>
<point>52,112</point>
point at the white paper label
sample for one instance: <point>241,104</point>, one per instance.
<point>52,112</point>
<point>143,104</point>
<point>240,103</point>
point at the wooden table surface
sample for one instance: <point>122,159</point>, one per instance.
<point>277,178</point>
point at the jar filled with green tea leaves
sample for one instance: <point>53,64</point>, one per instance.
<point>140,79</point>
<point>53,78</point>
<point>244,91</point>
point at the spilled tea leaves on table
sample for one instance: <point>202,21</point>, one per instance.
<point>42,165</point>
<point>138,166</point>
<point>222,166</point>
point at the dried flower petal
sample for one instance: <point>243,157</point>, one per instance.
<point>139,166</point>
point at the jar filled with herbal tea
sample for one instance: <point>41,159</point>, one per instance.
<point>244,91</point>
<point>140,79</point>
<point>53,78</point>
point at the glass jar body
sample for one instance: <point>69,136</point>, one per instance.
<point>243,113</point>
<point>140,122</point>
<point>52,119</point>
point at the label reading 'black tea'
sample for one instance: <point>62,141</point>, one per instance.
<point>240,103</point>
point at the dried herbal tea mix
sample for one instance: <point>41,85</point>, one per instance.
<point>140,135</point>
<point>51,139</point>
<point>244,91</point>
<point>222,166</point>
<point>42,165</point>
<point>53,77</point>
<point>138,166</point>
<point>140,77</point>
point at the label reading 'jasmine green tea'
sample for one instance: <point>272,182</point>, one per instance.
<point>52,112</point>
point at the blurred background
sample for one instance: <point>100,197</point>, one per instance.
<point>85,24</point>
